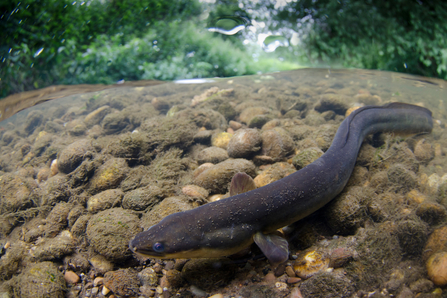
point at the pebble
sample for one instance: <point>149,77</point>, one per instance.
<point>73,155</point>
<point>273,173</point>
<point>71,277</point>
<point>293,280</point>
<point>221,139</point>
<point>96,116</point>
<point>306,157</point>
<point>310,263</point>
<point>424,151</point>
<point>217,296</point>
<point>235,125</point>
<point>98,281</point>
<point>195,191</point>
<point>244,143</point>
<point>437,268</point>
<point>212,155</point>
<point>290,272</point>
<point>270,277</point>
<point>105,200</point>
<point>437,241</point>
<point>276,143</point>
<point>217,178</point>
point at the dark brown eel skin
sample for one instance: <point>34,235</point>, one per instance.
<point>227,226</point>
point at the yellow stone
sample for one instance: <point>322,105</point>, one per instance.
<point>221,140</point>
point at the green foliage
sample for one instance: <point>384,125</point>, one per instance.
<point>175,51</point>
<point>39,38</point>
<point>401,35</point>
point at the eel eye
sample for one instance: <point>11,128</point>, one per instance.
<point>158,247</point>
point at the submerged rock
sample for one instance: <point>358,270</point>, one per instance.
<point>104,200</point>
<point>244,143</point>
<point>212,154</point>
<point>73,155</point>
<point>217,178</point>
<point>209,273</point>
<point>109,175</point>
<point>40,280</point>
<point>110,231</point>
<point>276,143</point>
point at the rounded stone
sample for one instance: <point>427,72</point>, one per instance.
<point>109,175</point>
<point>244,143</point>
<point>216,179</point>
<point>212,155</point>
<point>110,231</point>
<point>73,155</point>
<point>40,279</point>
<point>209,273</point>
<point>437,268</point>
<point>141,198</point>
<point>306,157</point>
<point>104,200</point>
<point>347,212</point>
<point>276,143</point>
<point>424,151</point>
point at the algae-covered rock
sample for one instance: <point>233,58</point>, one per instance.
<point>100,264</point>
<point>276,143</point>
<point>142,198</point>
<point>109,175</point>
<point>109,232</point>
<point>412,236</point>
<point>104,200</point>
<point>73,155</point>
<point>221,139</point>
<point>33,120</point>
<point>327,285</point>
<point>55,190</point>
<point>212,154</point>
<point>307,156</point>
<point>273,173</point>
<point>54,248</point>
<point>244,143</point>
<point>96,116</point>
<point>217,178</point>
<point>332,102</point>
<point>402,178</point>
<point>164,208</point>
<point>249,113</point>
<point>324,135</point>
<point>347,211</point>
<point>122,282</point>
<point>116,123</point>
<point>40,280</point>
<point>209,273</point>
<point>16,193</point>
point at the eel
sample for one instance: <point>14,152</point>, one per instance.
<point>228,226</point>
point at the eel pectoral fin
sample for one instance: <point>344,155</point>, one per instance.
<point>241,183</point>
<point>274,247</point>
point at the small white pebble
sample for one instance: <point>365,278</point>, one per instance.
<point>105,290</point>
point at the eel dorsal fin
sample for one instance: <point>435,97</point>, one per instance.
<point>241,183</point>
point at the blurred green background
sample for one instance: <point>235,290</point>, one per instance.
<point>47,42</point>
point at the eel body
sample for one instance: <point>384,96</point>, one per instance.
<point>227,226</point>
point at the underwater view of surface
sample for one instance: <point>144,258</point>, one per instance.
<point>83,175</point>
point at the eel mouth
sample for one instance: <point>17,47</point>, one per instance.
<point>144,251</point>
